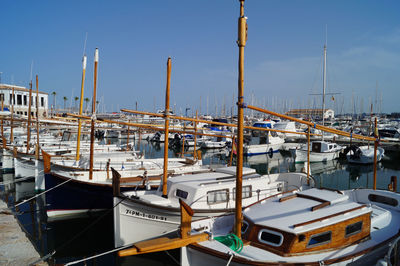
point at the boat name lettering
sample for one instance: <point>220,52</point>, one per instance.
<point>145,215</point>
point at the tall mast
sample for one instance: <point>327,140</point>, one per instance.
<point>80,108</point>
<point>96,61</point>
<point>37,119</point>
<point>166,114</point>
<point>241,42</point>
<point>28,125</point>
<point>323,89</point>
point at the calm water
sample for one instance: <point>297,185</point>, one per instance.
<point>75,239</point>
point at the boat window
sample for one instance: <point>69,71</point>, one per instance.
<point>353,229</point>
<point>270,237</point>
<point>245,225</point>
<point>320,239</point>
<point>316,147</point>
<point>382,199</point>
<point>181,194</point>
<point>246,192</point>
<point>217,196</point>
<point>330,147</point>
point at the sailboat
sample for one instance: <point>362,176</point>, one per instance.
<point>311,227</point>
<point>321,150</point>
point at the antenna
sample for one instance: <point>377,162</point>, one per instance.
<point>84,45</point>
<point>326,34</point>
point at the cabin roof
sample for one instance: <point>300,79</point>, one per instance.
<point>203,179</point>
<point>295,215</point>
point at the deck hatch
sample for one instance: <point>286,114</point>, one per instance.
<point>270,237</point>
<point>320,239</point>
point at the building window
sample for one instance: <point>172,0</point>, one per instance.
<point>19,99</point>
<point>25,100</point>
<point>26,113</point>
<point>42,101</point>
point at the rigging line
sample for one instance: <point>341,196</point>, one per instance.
<point>81,233</point>
<point>98,255</point>
<point>37,195</point>
<point>17,180</point>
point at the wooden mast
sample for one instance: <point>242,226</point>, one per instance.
<point>242,37</point>
<point>78,143</point>
<point>375,150</point>
<point>195,139</point>
<point>28,125</point>
<point>2,120</point>
<point>166,115</point>
<point>12,117</point>
<point>96,61</point>
<point>37,119</point>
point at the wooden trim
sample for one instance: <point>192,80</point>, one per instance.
<point>320,206</point>
<point>329,216</point>
<point>288,198</point>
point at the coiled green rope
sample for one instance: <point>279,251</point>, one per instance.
<point>231,241</point>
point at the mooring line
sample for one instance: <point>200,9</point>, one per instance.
<point>78,235</point>
<point>97,255</point>
<point>16,180</point>
<point>37,195</point>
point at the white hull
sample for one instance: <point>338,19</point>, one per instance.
<point>150,215</point>
<point>301,156</point>
<point>366,156</point>
<point>261,149</point>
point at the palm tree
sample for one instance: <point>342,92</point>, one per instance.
<point>54,100</point>
<point>97,105</point>
<point>65,101</point>
<point>87,101</point>
<point>76,100</point>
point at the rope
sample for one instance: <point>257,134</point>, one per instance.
<point>37,195</point>
<point>17,180</point>
<point>230,258</point>
<point>95,256</point>
<point>78,235</point>
<point>231,241</point>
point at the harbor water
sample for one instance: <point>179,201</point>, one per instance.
<point>71,240</point>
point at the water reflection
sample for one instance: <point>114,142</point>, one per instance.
<point>80,238</point>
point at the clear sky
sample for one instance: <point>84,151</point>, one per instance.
<point>283,56</point>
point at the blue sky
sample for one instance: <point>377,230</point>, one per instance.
<point>283,56</point>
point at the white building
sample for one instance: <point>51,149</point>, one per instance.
<point>21,100</point>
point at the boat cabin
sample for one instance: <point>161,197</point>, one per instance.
<point>309,221</point>
<point>323,146</point>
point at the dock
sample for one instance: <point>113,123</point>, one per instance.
<point>15,247</point>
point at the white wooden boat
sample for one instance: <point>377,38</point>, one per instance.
<point>321,151</point>
<point>141,215</point>
<point>364,154</point>
<point>263,143</point>
<point>312,227</point>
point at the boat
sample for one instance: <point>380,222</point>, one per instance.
<point>311,227</point>
<point>321,151</point>
<point>141,215</point>
<point>262,142</point>
<point>363,154</point>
